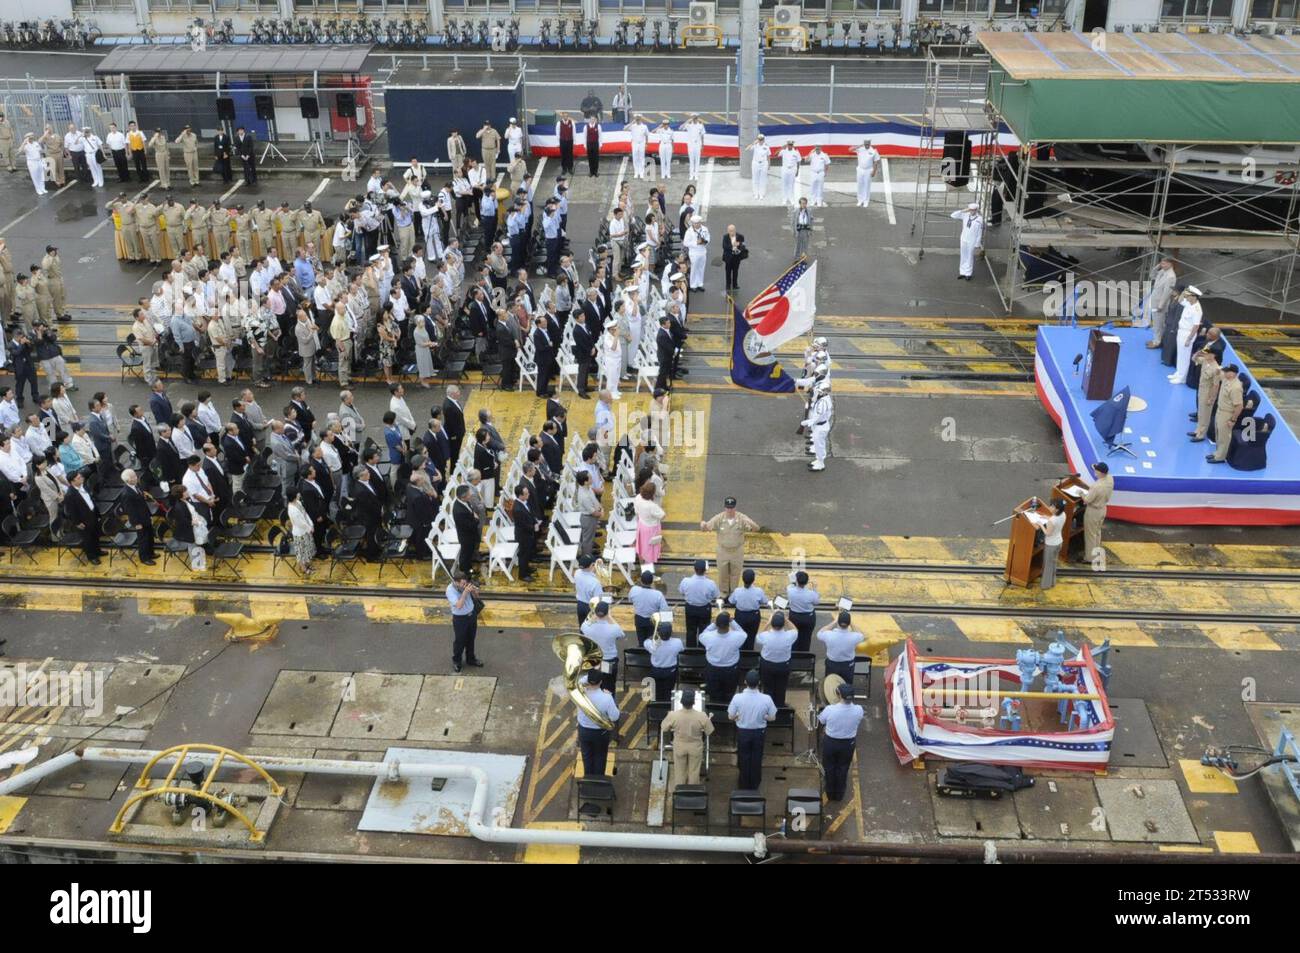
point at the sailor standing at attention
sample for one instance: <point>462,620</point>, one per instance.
<point>841,721</point>
<point>972,237</point>
<point>593,739</point>
<point>751,710</point>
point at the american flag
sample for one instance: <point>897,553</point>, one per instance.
<point>763,303</point>
<point>785,308</point>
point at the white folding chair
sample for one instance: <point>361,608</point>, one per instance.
<point>647,369</point>
<point>502,554</point>
<point>527,365</point>
<point>564,555</point>
<point>622,558</point>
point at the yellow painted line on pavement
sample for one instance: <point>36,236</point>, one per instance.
<point>9,808</point>
<point>684,501</point>
<point>988,629</point>
<point>1236,842</point>
<point>278,607</point>
<point>553,853</point>
<point>1239,639</point>
<point>393,610</point>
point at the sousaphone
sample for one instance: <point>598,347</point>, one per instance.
<point>831,688</point>
<point>579,654</point>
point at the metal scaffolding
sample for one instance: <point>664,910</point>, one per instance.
<point>955,85</point>
<point>1171,205</point>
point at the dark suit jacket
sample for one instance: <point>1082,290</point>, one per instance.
<point>142,440</point>
<point>161,408</point>
<point>664,347</point>
<point>543,346</point>
<point>306,419</point>
<point>81,516</point>
<point>453,421</point>
<point>525,517</point>
<point>583,343</point>
<point>99,435</point>
<point>468,530</point>
<point>244,148</point>
<point>220,482</point>
<point>421,508</point>
<point>236,456</point>
<point>198,433</point>
<point>552,452</point>
<point>507,343</point>
<point>170,462</point>
<point>378,483</point>
<point>439,449</point>
<point>182,523</point>
<point>135,508</point>
<point>314,499</point>
<point>224,146</point>
<point>365,508</point>
<point>485,461</point>
<point>246,432</point>
<point>728,251</point>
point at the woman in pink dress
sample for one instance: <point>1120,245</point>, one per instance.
<point>649,525</point>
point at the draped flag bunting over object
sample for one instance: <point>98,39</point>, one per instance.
<point>784,310</point>
<point>753,363</point>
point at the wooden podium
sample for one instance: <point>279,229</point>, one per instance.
<point>1099,369</point>
<point>1072,532</point>
<point>1025,546</point>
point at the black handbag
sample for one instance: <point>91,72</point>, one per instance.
<point>479,604</point>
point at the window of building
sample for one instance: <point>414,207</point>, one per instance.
<point>1196,11</point>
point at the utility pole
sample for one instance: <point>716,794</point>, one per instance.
<point>748,79</point>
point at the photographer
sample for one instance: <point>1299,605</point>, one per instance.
<point>463,597</point>
<point>45,341</point>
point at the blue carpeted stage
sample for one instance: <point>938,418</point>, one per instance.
<point>1170,482</point>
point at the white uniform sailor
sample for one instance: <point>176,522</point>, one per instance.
<point>868,159</point>
<point>820,417</point>
<point>664,139</point>
<point>758,165</point>
<point>696,241</point>
<point>694,130</point>
<point>790,160</point>
<point>639,134</point>
<point>972,237</point>
<point>818,162</point>
<point>514,140</point>
<point>35,162</point>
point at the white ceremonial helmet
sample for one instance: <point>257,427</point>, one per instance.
<point>819,343</point>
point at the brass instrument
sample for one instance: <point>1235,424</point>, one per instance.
<point>831,688</point>
<point>579,654</point>
<point>654,631</point>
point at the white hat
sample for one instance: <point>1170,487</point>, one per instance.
<point>611,323</point>
<point>374,257</point>
<point>695,219</point>
<point>512,118</point>
<point>1193,290</point>
<point>676,276</point>
<point>974,206</point>
<point>383,248</point>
